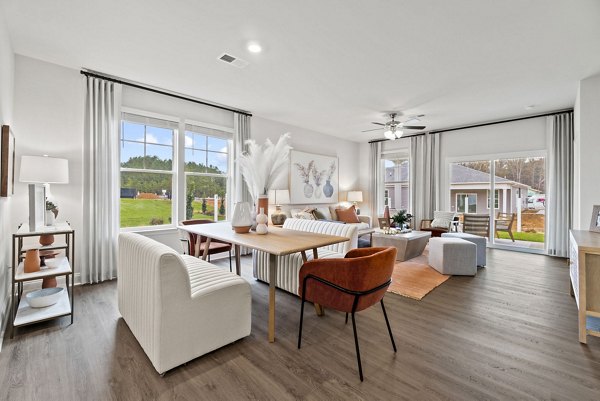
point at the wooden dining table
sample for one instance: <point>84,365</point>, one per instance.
<point>278,242</point>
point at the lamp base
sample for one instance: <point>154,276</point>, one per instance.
<point>278,218</point>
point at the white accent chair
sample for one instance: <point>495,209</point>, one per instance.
<point>178,307</point>
<point>289,265</point>
<point>453,256</point>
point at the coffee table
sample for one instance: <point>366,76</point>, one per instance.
<point>409,245</point>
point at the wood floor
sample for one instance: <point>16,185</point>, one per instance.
<point>507,334</point>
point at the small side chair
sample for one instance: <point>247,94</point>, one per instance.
<point>196,248</point>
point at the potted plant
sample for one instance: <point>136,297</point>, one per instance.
<point>401,219</point>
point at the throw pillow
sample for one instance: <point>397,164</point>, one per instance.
<point>304,216</point>
<point>442,219</point>
<point>347,215</point>
<point>322,213</point>
<point>333,213</point>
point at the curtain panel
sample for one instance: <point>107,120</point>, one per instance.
<point>101,180</point>
<point>559,215</point>
<point>376,187</point>
<point>424,176</point>
<point>242,134</point>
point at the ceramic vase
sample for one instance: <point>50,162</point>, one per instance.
<point>50,218</point>
<point>261,220</point>
<point>308,190</point>
<point>328,189</point>
<point>241,220</point>
<point>46,239</point>
<point>318,191</point>
<point>32,261</point>
<point>263,204</point>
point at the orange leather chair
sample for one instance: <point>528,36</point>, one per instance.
<point>215,246</point>
<point>350,285</point>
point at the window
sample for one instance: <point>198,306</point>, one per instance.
<point>146,156</point>
<point>496,199</point>
<point>466,203</point>
<point>151,162</point>
<point>396,180</point>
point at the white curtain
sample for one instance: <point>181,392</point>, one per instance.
<point>424,176</point>
<point>560,183</point>
<point>101,180</point>
<point>241,135</point>
<point>376,189</point>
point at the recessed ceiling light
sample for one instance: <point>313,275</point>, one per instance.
<point>254,47</point>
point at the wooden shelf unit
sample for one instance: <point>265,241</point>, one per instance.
<point>585,281</point>
<point>61,265</point>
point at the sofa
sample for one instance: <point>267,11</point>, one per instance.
<point>328,213</point>
<point>289,265</point>
<point>178,307</point>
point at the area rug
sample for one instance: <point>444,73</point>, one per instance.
<point>414,278</point>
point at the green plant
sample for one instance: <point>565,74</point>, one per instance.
<point>203,205</point>
<point>189,199</point>
<point>50,205</point>
<point>222,208</point>
<point>401,218</point>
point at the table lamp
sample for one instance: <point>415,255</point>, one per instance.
<point>355,197</point>
<point>40,172</point>
<point>279,197</point>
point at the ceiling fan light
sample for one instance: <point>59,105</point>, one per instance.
<point>399,134</point>
<point>389,135</point>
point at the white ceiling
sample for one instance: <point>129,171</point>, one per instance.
<point>331,66</point>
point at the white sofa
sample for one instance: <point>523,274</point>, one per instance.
<point>178,307</point>
<point>289,265</point>
<point>328,213</point>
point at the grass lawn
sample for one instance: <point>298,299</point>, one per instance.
<point>531,237</point>
<point>141,212</point>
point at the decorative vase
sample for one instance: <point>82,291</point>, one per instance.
<point>278,217</point>
<point>308,190</point>
<point>261,220</point>
<point>46,239</point>
<point>263,204</point>
<point>49,282</point>
<point>241,220</point>
<point>328,189</point>
<point>50,218</point>
<point>32,261</point>
<point>318,191</point>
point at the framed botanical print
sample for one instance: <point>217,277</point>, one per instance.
<point>313,178</point>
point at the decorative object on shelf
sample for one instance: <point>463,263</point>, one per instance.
<point>401,219</point>
<point>261,220</point>
<point>44,297</point>
<point>307,173</point>
<point>279,197</point>
<point>241,221</point>
<point>595,223</point>
<point>41,171</point>
<point>7,165</point>
<point>51,213</point>
<point>46,239</point>
<point>263,166</point>
<point>355,197</point>
<point>263,204</point>
<point>32,261</point>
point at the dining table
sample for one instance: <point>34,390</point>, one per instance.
<point>277,242</point>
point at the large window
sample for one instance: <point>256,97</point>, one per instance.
<point>396,180</point>
<point>172,171</point>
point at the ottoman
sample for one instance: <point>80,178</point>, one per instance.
<point>453,256</point>
<point>480,241</point>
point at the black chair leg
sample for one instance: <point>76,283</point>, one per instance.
<point>230,269</point>
<point>301,319</point>
<point>208,258</point>
<point>346,318</point>
<point>360,374</point>
<point>388,326</point>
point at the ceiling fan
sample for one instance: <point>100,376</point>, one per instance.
<point>394,129</point>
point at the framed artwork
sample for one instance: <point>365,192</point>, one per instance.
<point>7,162</point>
<point>313,178</point>
<point>595,223</point>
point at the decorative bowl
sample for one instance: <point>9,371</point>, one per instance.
<point>44,297</point>
<point>242,229</point>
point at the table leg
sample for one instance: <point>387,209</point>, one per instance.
<point>315,254</point>
<point>206,246</point>
<point>238,260</point>
<point>272,282</point>
<point>304,258</point>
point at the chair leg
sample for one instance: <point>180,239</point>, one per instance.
<point>388,326</point>
<point>301,319</point>
<point>209,258</point>
<point>511,236</point>
<point>360,374</point>
<point>230,268</point>
<point>346,318</point>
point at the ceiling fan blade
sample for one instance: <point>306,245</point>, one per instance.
<point>374,129</point>
<point>378,123</point>
<point>413,127</point>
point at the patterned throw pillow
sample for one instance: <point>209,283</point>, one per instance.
<point>347,215</point>
<point>306,214</point>
<point>442,219</point>
<point>322,213</point>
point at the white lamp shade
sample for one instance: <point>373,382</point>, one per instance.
<point>44,170</point>
<point>279,197</point>
<point>355,196</point>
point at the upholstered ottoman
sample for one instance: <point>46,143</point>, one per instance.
<point>480,241</point>
<point>453,256</point>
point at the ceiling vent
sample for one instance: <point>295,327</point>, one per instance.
<point>232,60</point>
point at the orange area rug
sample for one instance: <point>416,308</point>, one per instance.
<point>414,278</point>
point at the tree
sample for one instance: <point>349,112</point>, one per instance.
<point>189,207</point>
<point>222,208</point>
<point>203,205</point>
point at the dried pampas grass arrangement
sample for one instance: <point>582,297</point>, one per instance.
<point>265,167</point>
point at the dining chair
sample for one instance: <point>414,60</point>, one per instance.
<point>350,284</point>
<point>196,248</point>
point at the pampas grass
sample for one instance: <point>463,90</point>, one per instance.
<point>265,167</point>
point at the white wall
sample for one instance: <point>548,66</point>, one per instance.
<point>587,145</point>
<point>6,118</point>
<point>315,142</point>
<point>48,119</point>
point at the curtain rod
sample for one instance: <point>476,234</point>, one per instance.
<point>94,74</point>
<point>553,113</point>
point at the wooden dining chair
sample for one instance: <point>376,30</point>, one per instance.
<point>350,284</point>
<point>196,248</point>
